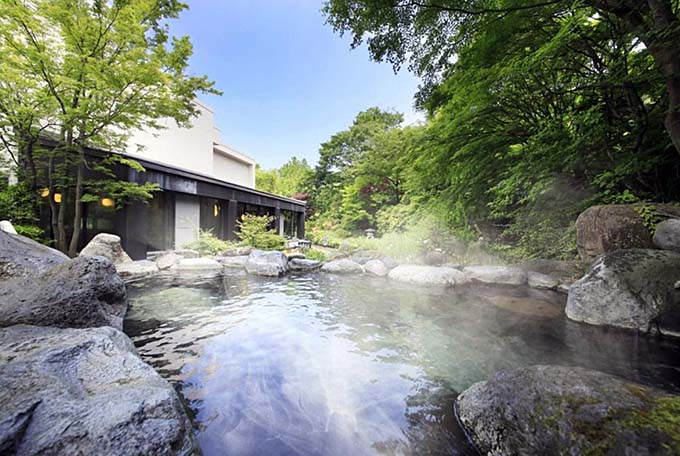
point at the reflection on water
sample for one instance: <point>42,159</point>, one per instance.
<point>341,365</point>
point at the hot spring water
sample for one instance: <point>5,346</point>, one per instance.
<point>349,365</point>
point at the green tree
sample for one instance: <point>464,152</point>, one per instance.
<point>292,179</point>
<point>266,180</point>
<point>430,33</point>
<point>533,113</point>
<point>338,156</point>
<point>93,71</point>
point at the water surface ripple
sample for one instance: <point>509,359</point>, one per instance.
<point>338,365</point>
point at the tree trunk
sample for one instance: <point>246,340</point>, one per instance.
<point>78,206</point>
<point>50,196</point>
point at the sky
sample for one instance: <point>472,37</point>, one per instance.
<point>288,81</point>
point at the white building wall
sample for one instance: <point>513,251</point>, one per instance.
<point>188,148</point>
<point>231,170</point>
<point>198,149</point>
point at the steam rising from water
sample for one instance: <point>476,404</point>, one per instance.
<point>355,365</point>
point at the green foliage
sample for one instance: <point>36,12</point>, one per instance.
<point>663,416</point>
<point>254,231</point>
<point>16,205</point>
<point>89,72</point>
<point>314,254</point>
<point>544,111</point>
<point>208,244</point>
<point>650,216</point>
<point>291,180</point>
<point>340,161</point>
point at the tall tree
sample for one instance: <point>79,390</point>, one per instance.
<point>98,70</point>
<point>430,33</point>
<point>338,156</point>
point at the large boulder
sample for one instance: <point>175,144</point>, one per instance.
<point>85,391</point>
<point>428,275</point>
<point>267,263</point>
<point>107,246</point>
<point>376,267</point>
<point>500,275</point>
<point>554,410</point>
<point>302,264</point>
<point>631,289</point>
<point>343,266</point>
<point>80,293</point>
<point>601,229</point>
<point>20,256</point>
<point>667,235</point>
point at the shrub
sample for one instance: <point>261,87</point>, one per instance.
<point>314,254</point>
<point>208,244</point>
<point>254,231</point>
<point>16,205</point>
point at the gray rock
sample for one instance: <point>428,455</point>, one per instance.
<point>107,246</point>
<point>167,260</point>
<point>237,251</point>
<point>502,275</point>
<point>542,281</point>
<point>203,267</point>
<point>390,263</point>
<point>297,264</point>
<point>376,267</point>
<point>233,262</point>
<point>601,229</point>
<point>7,227</point>
<point>631,289</point>
<point>561,270</point>
<point>428,275</point>
<point>667,235</point>
<point>343,266</point>
<point>267,263</point>
<point>20,256</point>
<point>80,293</point>
<point>554,410</point>
<point>434,258</point>
<point>187,253</point>
<point>360,259</point>
<point>137,269</point>
<point>85,391</point>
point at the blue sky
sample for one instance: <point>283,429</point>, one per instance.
<point>289,81</point>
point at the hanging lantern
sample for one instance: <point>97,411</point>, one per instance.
<point>107,202</point>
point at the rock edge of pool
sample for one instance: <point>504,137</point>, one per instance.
<point>330,369</point>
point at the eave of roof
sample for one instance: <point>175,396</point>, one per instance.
<point>170,169</point>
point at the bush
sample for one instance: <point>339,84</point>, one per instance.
<point>16,205</point>
<point>254,232</point>
<point>314,254</point>
<point>208,244</point>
